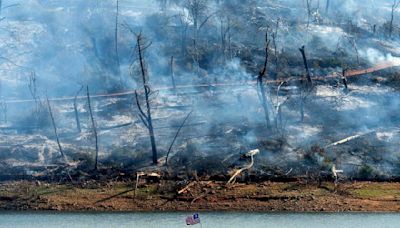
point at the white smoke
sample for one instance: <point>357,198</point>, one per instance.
<point>376,57</point>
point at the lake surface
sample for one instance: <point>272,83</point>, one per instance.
<point>214,220</point>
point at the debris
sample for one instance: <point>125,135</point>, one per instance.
<point>183,190</point>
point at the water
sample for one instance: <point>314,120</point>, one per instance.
<point>214,220</point>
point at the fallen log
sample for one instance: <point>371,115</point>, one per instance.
<point>348,139</point>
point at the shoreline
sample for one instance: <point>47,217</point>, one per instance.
<point>202,196</point>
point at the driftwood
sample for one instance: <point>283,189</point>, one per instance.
<point>247,167</point>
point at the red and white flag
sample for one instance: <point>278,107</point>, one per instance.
<point>193,219</point>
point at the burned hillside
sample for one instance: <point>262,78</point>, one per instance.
<point>189,88</point>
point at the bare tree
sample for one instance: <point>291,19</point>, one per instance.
<point>279,103</point>
<point>226,36</point>
<point>183,33</point>
<point>78,123</point>
<point>32,85</point>
<point>394,8</point>
<point>261,85</point>
<point>94,129</point>
<point>173,74</point>
<point>145,116</point>
<point>306,90</point>
<point>197,10</point>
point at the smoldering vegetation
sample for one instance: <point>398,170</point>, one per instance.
<point>188,87</point>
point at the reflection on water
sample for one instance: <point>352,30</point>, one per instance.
<point>214,220</point>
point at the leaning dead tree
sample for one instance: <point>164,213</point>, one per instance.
<point>394,8</point>
<point>261,85</point>
<point>145,116</point>
<point>176,136</point>
<point>55,131</point>
<point>94,129</point>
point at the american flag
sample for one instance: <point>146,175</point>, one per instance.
<point>193,219</point>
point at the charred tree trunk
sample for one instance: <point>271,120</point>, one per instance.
<point>55,131</point>
<point>173,74</point>
<point>146,117</point>
<point>303,53</point>
<point>305,91</point>
<point>344,79</point>
<point>94,129</point>
<point>260,83</point>
<point>78,123</point>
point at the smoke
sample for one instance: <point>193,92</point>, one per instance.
<point>69,44</point>
<point>375,57</point>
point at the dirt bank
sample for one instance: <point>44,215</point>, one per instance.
<point>201,196</point>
